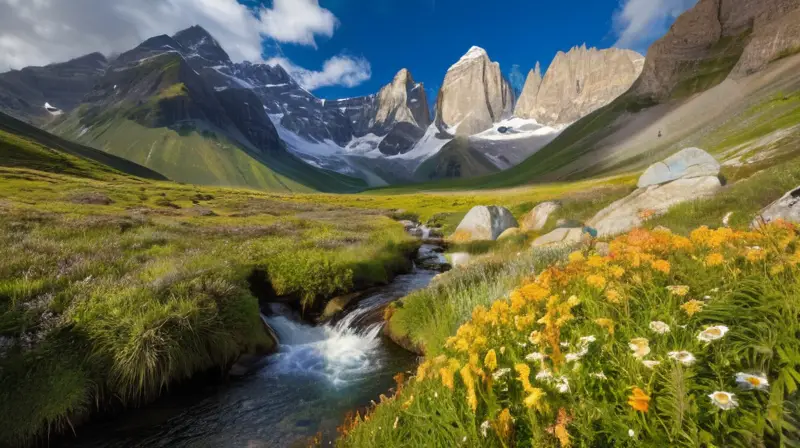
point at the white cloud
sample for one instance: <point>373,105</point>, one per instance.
<point>640,22</point>
<point>40,32</point>
<point>297,21</point>
<point>337,71</point>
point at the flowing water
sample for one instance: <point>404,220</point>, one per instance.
<point>320,374</point>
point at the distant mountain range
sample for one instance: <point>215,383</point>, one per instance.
<point>180,106</point>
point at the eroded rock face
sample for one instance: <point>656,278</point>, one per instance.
<point>560,237</point>
<point>786,208</point>
<point>688,163</point>
<point>486,223</point>
<point>578,83</point>
<point>474,95</point>
<point>735,37</point>
<point>632,211</point>
<point>537,218</point>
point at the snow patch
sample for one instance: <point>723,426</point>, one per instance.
<point>473,54</point>
<point>429,145</point>
<point>52,109</point>
<point>518,128</point>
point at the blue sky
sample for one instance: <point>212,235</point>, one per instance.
<point>427,36</point>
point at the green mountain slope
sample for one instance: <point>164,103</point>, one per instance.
<point>151,108</point>
<point>26,146</point>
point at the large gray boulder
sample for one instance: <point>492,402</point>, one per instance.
<point>686,164</point>
<point>485,223</point>
<point>786,208</point>
<point>631,212</point>
<point>537,218</point>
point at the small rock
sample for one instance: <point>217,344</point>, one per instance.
<point>202,211</point>
<point>537,218</point>
<point>510,233</point>
<point>786,208</point>
<point>564,236</point>
<point>91,198</point>
<point>460,259</point>
<point>726,220</point>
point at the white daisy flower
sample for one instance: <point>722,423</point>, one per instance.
<point>631,433</point>
<point>683,357</point>
<point>659,327</point>
<point>651,364</point>
<point>522,344</point>
<point>640,347</point>
<point>535,356</point>
<point>712,333</point>
<point>544,375</point>
<point>724,400</point>
<point>565,344</point>
<point>750,381</point>
<point>599,375</point>
<point>586,340</point>
<point>500,373</point>
<point>572,357</point>
<point>562,384</point>
<point>485,428</point>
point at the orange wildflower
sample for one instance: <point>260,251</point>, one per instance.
<point>639,401</point>
<point>714,259</point>
<point>661,266</point>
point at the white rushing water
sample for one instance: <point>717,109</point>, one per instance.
<point>342,353</point>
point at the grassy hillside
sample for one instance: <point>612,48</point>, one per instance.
<point>25,146</point>
<point>174,291</point>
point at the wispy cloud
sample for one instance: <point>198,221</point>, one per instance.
<point>339,70</point>
<point>638,23</point>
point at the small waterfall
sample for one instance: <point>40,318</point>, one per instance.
<point>341,353</point>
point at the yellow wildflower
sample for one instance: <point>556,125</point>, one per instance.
<point>680,291</point>
<point>596,281</point>
<point>617,272</point>
<point>504,425</point>
<point>560,429</point>
<point>640,347</point>
<point>608,324</point>
<point>462,345</point>
<point>534,400</point>
<point>639,401</point>
<point>661,266</point>
<point>576,257</point>
<point>447,377</point>
<point>714,259</point>
<point>408,402</point>
<point>469,381</point>
<point>491,360</point>
<point>613,296</point>
<point>692,307</point>
<point>524,376</point>
<point>422,370</point>
<point>596,261</point>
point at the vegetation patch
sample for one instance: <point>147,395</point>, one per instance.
<point>667,341</point>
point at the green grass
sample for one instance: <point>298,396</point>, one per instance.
<point>113,289</point>
<point>744,198</point>
<point>425,319</point>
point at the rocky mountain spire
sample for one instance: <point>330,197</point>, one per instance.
<point>527,100</point>
<point>474,94</point>
<point>403,101</point>
<point>578,83</point>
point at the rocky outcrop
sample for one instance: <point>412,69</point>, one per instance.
<point>718,38</point>
<point>786,208</point>
<point>686,164</point>
<point>577,83</point>
<point>655,199</point>
<point>537,218</point>
<point>474,95</point>
<point>485,223</point>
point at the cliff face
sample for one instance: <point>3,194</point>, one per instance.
<point>717,39</point>
<point>578,83</point>
<point>474,95</point>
